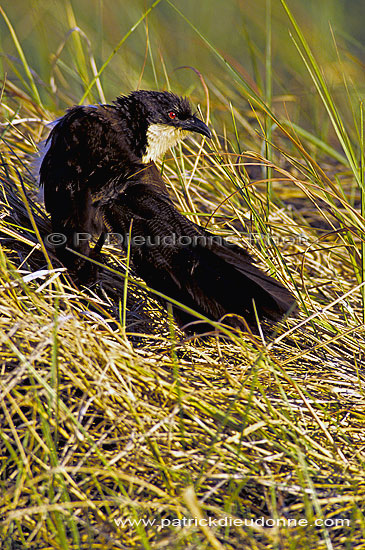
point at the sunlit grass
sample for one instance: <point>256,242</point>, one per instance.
<point>111,413</point>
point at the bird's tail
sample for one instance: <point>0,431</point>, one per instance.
<point>191,265</point>
<point>272,299</point>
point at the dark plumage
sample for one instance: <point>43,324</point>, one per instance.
<point>99,175</point>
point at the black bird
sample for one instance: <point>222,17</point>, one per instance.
<point>99,175</point>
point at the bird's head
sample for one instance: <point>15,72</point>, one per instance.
<point>166,119</point>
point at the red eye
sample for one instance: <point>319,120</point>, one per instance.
<point>172,114</point>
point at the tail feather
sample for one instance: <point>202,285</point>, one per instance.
<point>279,299</point>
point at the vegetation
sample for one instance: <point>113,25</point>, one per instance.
<point>110,414</point>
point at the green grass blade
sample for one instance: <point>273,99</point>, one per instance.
<point>19,49</point>
<point>116,49</point>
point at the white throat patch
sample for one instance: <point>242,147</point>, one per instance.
<point>160,137</point>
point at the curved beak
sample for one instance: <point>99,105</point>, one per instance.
<point>194,124</point>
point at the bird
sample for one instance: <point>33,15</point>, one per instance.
<point>99,175</point>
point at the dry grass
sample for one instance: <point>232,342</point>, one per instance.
<point>104,422</point>
<point>110,413</point>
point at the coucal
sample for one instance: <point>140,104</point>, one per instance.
<point>99,175</point>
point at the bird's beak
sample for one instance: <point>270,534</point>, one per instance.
<point>194,124</point>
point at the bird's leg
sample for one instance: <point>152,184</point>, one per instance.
<point>99,245</point>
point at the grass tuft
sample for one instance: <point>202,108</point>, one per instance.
<point>111,415</point>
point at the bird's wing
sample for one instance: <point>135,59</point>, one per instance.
<point>186,263</point>
<point>86,149</point>
<point>87,157</point>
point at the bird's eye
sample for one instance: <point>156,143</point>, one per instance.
<point>172,114</point>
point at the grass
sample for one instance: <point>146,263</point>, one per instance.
<point>112,415</point>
